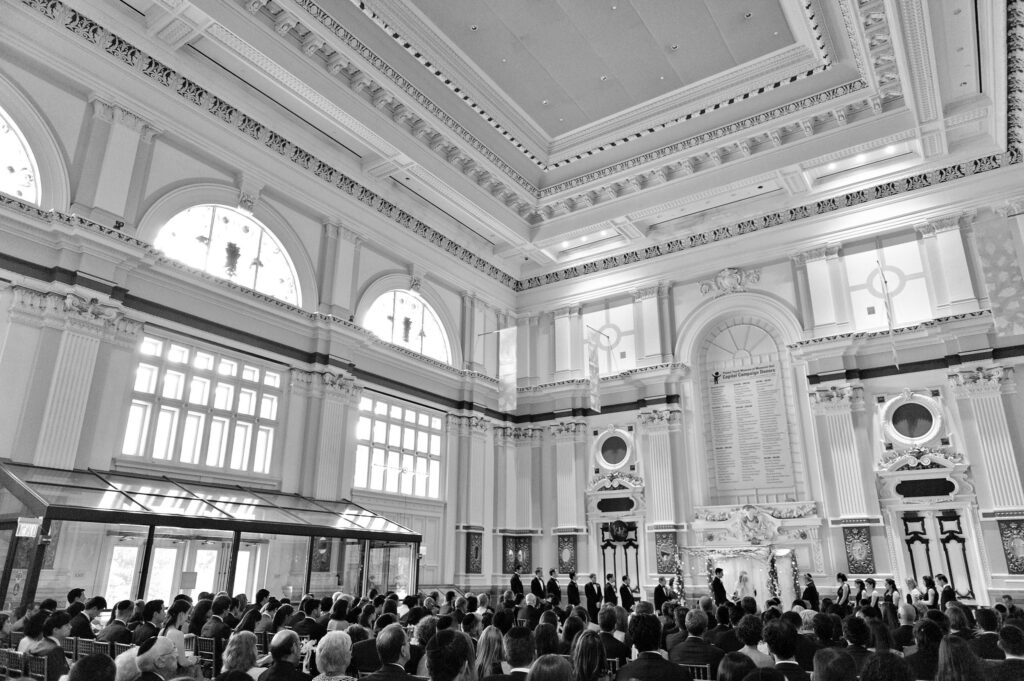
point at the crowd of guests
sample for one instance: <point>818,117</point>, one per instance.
<point>520,637</point>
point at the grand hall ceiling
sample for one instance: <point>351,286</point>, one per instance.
<point>559,132</point>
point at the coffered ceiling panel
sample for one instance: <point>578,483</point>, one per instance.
<point>568,63</point>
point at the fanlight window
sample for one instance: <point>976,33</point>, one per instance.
<point>18,170</point>
<point>405,319</point>
<point>229,244</point>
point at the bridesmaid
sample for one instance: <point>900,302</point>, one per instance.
<point>843,593</point>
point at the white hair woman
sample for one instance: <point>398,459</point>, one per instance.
<point>333,655</point>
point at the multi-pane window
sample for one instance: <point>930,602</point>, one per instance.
<point>405,319</point>
<point>229,244</point>
<point>18,170</point>
<point>398,449</point>
<point>200,407</point>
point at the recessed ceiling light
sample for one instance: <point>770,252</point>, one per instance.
<point>583,239</point>
<point>614,7</point>
<point>473,27</point>
<point>504,61</point>
<point>661,77</point>
<point>859,158</point>
<point>565,244</point>
<point>891,149</point>
<point>675,47</point>
<point>604,77</point>
<point>831,166</point>
<point>748,15</point>
<point>543,101</point>
<point>561,120</point>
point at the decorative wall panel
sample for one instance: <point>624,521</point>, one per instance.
<point>474,548</point>
<point>859,556</point>
<point>516,551</point>
<point>567,553</point>
<point>1011,532</point>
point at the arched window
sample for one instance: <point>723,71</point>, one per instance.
<point>19,174</point>
<point>230,244</point>
<point>402,317</point>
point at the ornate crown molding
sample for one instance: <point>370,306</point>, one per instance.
<point>463,424</point>
<point>980,381</point>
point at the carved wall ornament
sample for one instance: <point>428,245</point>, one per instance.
<point>753,525</point>
<point>415,283</point>
<point>787,511</point>
<point>517,434</point>
<point>837,398</point>
<point>616,480</point>
<point>474,553</point>
<point>660,417</point>
<point>568,430</point>
<point>920,458</point>
<point>567,553</point>
<point>459,424</point>
<point>982,380</point>
<point>859,555</point>
<point>730,280</point>
<point>1011,532</point>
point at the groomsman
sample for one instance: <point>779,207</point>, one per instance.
<point>573,590</point>
<point>609,589</point>
<point>626,594</point>
<point>593,593</point>
<point>516,582</point>
<point>660,595</point>
<point>554,591</point>
<point>537,585</point>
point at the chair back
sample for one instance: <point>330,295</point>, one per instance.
<point>699,672</point>
<point>12,662</point>
<point>88,646</point>
<point>122,647</point>
<point>208,651</point>
<point>261,642</point>
<point>35,667</point>
<point>613,665</point>
<point>70,646</point>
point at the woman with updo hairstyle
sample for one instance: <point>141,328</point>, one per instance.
<point>957,662</point>
<point>734,666</point>
<point>886,667</point>
<point>589,661</point>
<point>333,656</point>
<point>550,668</point>
<point>174,624</point>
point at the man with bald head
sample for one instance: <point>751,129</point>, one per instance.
<point>157,659</point>
<point>393,649</point>
<point>284,650</point>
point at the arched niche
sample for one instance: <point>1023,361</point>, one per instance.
<point>400,282</point>
<point>736,346</point>
<point>174,202</point>
<point>51,165</point>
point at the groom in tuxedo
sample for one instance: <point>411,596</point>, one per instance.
<point>717,588</point>
<point>592,590</point>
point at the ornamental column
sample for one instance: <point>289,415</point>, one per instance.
<point>840,425</point>
<point>660,470</point>
<point>569,441</point>
<point>827,289</point>
<point>947,262</point>
<point>979,394</point>
<point>338,394</point>
<point>568,343</point>
<point>474,512</point>
<point>47,370</point>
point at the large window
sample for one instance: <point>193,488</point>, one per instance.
<point>229,244</point>
<point>405,319</point>
<point>18,170</point>
<point>200,407</point>
<point>398,449</point>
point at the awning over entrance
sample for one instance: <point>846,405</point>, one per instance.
<point>109,497</point>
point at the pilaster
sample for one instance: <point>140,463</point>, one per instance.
<point>566,436</point>
<point>661,469</point>
<point>826,291</point>
<point>948,265</point>
<point>646,315</point>
<point>338,394</point>
<point>837,410</point>
<point>568,332</point>
<point>979,392</point>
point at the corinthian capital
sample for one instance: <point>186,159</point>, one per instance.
<point>837,398</point>
<point>983,380</point>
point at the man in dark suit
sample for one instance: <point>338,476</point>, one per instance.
<point>519,648</point>
<point>626,594</point>
<point>721,625</point>
<point>1011,640</point>
<point>393,650</point>
<point>284,651</point>
<point>309,626</point>
<point>117,630</point>
<point>946,593</point>
<point>554,592</point>
<point>592,590</point>
<point>537,585</point>
<point>660,595</point>
<point>609,590</point>
<point>903,635</point>
<point>572,591</point>
<point>781,639</point>
<point>157,659</point>
<point>55,630</point>
<point>516,583</point>
<point>81,624</point>
<point>216,627</point>
<point>448,653</point>
<point>152,619</point>
<point>365,657</point>
<point>529,613</point>
<point>857,635</point>
<point>645,630</point>
<point>717,588</point>
<point>614,649</point>
<point>672,639</point>
<point>985,643</point>
<point>694,649</point>
<point>806,647</point>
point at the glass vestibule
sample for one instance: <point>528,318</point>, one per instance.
<point>130,536</point>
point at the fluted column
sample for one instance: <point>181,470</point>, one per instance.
<point>837,410</point>
<point>567,436</point>
<point>660,467</point>
<point>49,388</point>
<point>568,343</point>
<point>989,447</point>
<point>338,393</point>
<point>474,464</point>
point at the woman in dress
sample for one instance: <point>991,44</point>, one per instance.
<point>743,586</point>
<point>339,616</point>
<point>870,596</point>
<point>892,594</point>
<point>174,628</point>
<point>267,616</point>
<point>843,592</point>
<point>280,618</point>
<point>240,655</point>
<point>931,596</point>
<point>810,593</point>
<point>856,592</point>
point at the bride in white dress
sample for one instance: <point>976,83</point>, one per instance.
<point>744,587</point>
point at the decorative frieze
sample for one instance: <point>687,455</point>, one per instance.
<point>837,398</point>
<point>463,424</point>
<point>990,380</point>
<point>662,418</point>
<point>504,435</point>
<point>568,430</point>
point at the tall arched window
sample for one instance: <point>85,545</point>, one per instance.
<point>19,174</point>
<point>402,317</point>
<point>230,244</point>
